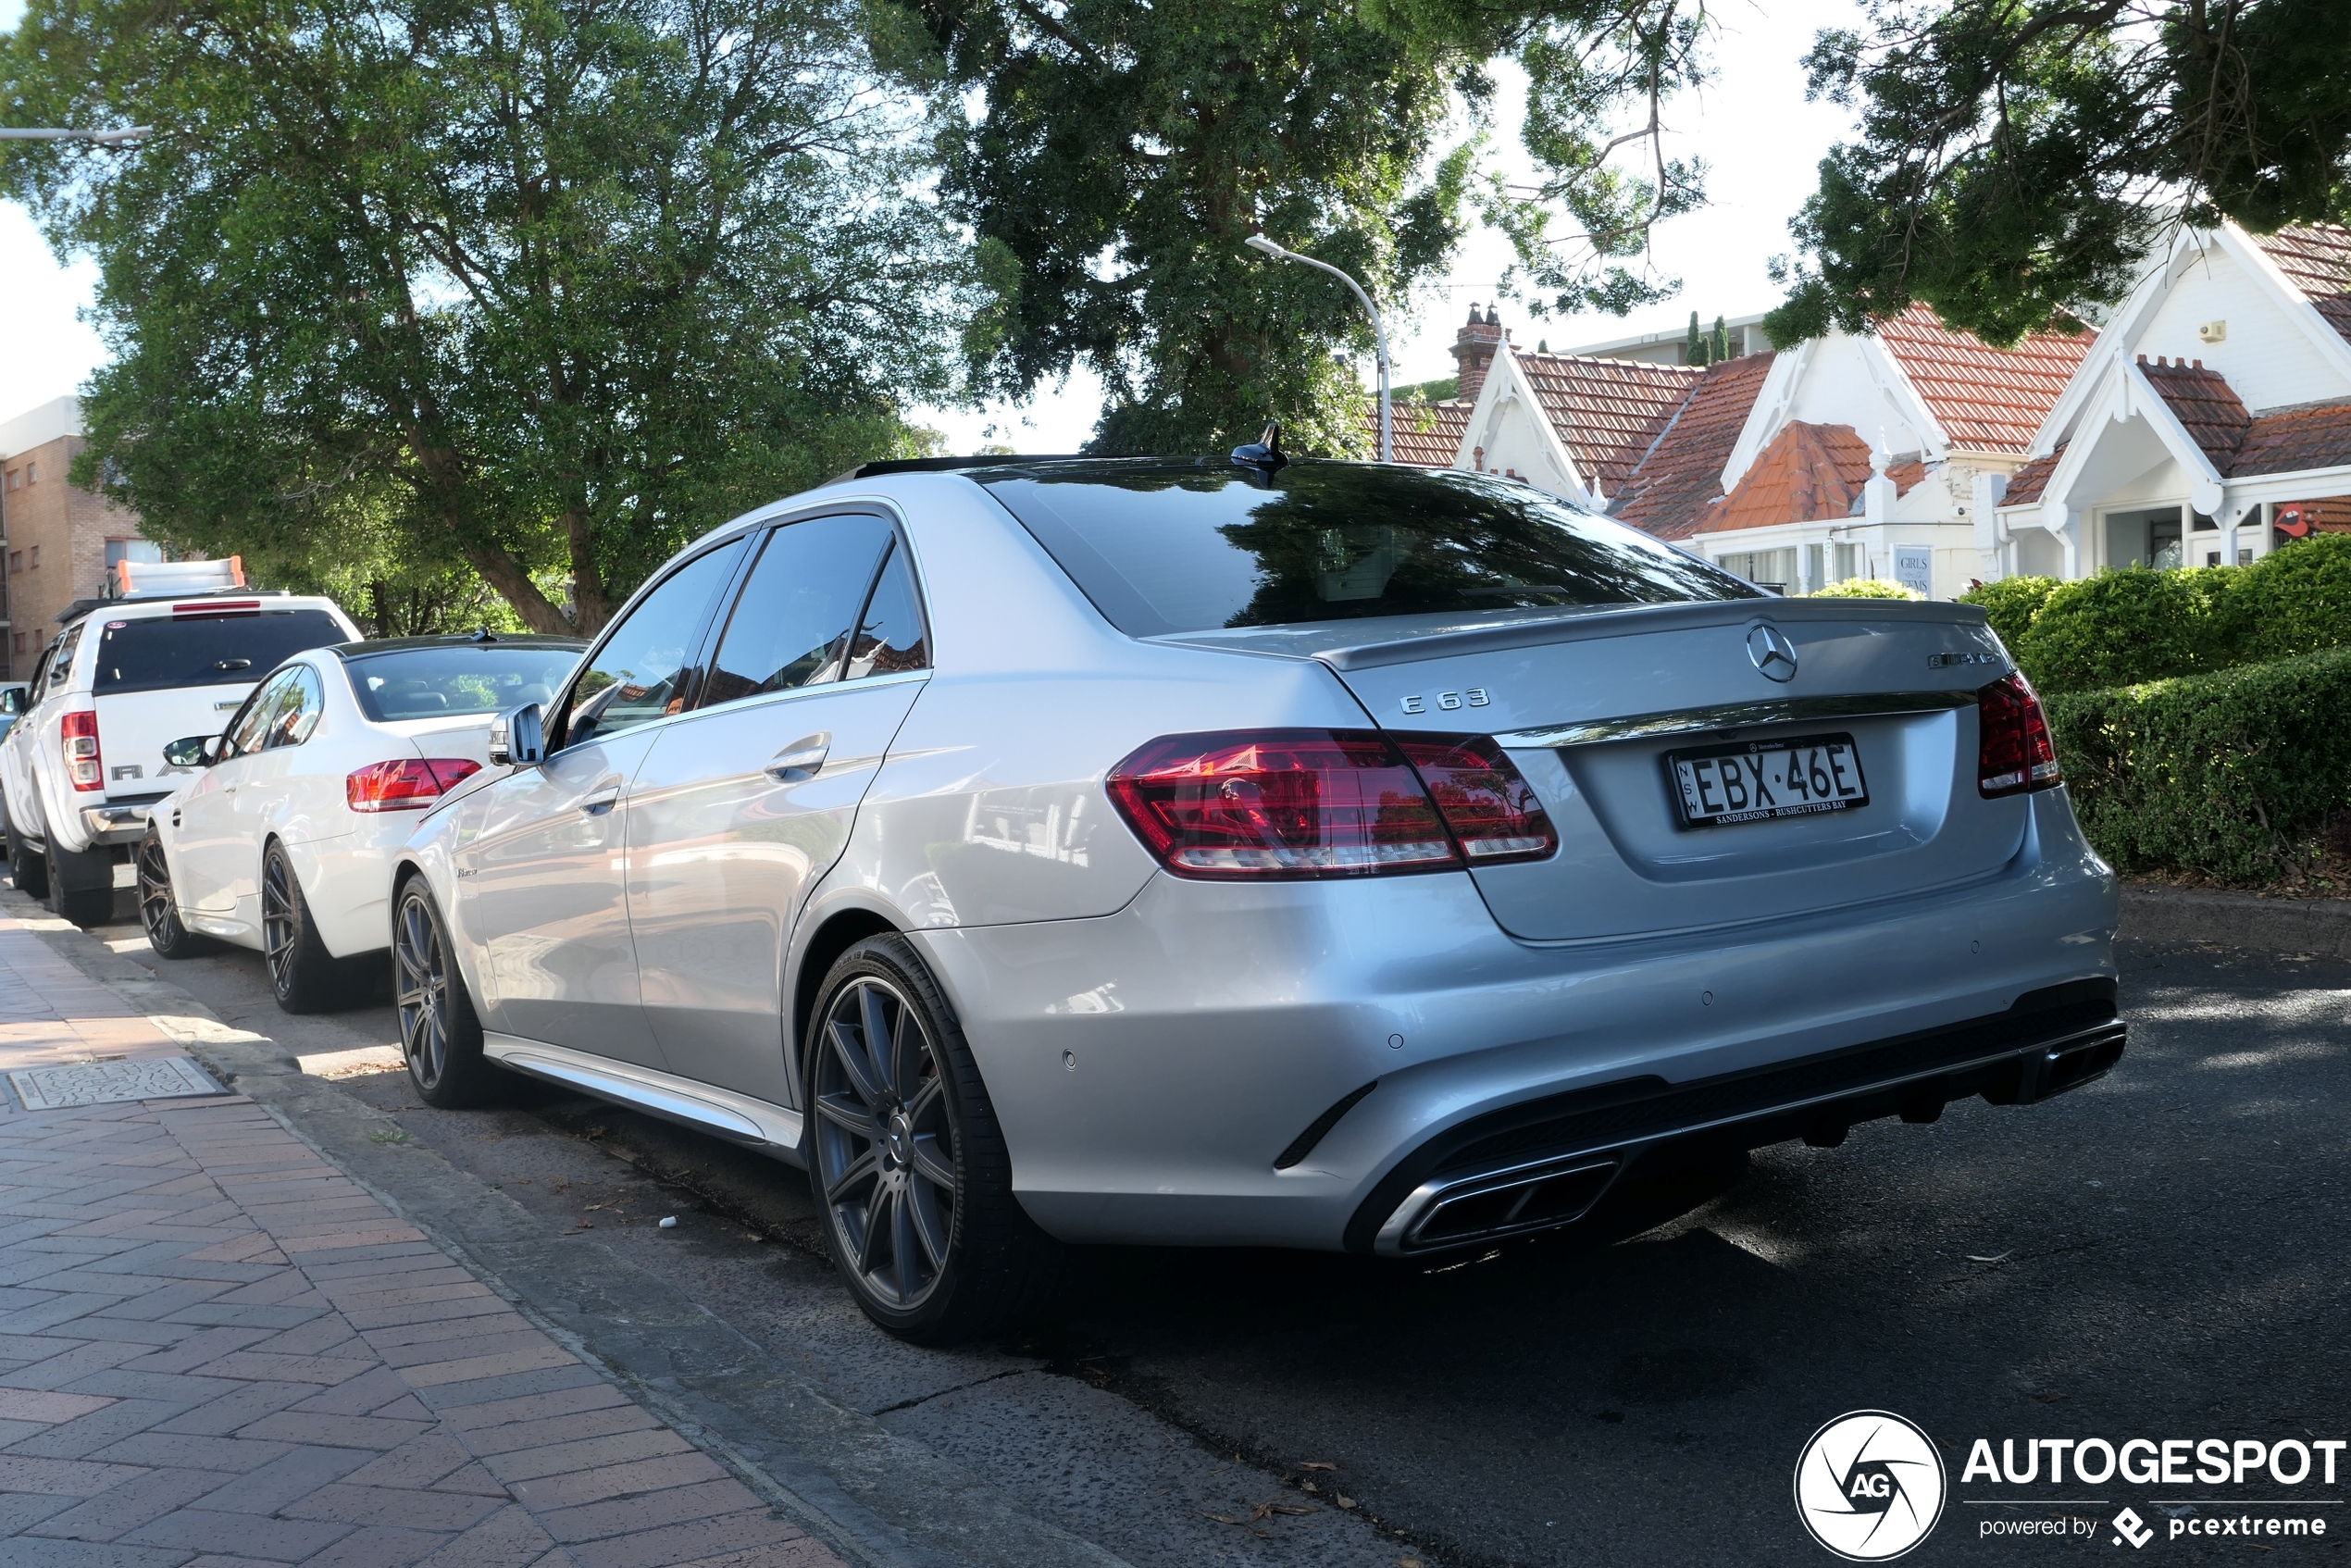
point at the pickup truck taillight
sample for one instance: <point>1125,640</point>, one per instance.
<point>1286,803</point>
<point>2017,755</point>
<point>405,783</point>
<point>84,764</point>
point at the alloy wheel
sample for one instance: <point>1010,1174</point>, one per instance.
<point>156,916</point>
<point>279,930</point>
<point>885,1143</point>
<point>422,995</point>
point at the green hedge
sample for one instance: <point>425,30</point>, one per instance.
<point>2219,773</point>
<point>1867,588</point>
<point>2120,628</point>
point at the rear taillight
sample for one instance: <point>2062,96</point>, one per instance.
<point>406,783</point>
<point>1494,816</point>
<point>2017,755</point>
<point>1283,804</point>
<point>83,766</point>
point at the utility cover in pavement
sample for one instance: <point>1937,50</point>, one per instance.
<point>103,1083</point>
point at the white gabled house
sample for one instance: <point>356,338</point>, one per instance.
<point>2211,423</point>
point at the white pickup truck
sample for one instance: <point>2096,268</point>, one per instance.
<point>172,654</point>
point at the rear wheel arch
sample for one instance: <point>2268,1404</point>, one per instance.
<point>839,931</point>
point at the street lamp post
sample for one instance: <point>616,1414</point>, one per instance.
<point>101,138</point>
<point>1379,332</point>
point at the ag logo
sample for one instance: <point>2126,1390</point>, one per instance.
<point>1870,1486</point>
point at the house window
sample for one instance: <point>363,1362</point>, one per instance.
<point>1849,563</point>
<point>35,565</point>
<point>135,551</point>
<point>15,560</point>
<point>1772,569</point>
<point>20,643</point>
<point>2150,536</point>
<point>15,478</point>
<point>32,473</point>
<point>1816,567</point>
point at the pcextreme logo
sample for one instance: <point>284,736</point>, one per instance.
<point>1870,1486</point>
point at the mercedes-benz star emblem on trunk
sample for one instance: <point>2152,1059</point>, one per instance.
<point>1771,649</point>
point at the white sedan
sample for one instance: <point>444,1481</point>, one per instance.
<point>284,841</point>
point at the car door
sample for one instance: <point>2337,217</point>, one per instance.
<point>742,806</point>
<point>209,852</point>
<point>539,877</point>
<point>259,803</point>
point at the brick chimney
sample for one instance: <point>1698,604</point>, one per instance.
<point>1473,349</point>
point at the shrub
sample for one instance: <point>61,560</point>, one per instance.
<point>2293,601</point>
<point>2119,629</point>
<point>2010,603</point>
<point>1866,588</point>
<point>2217,772</point>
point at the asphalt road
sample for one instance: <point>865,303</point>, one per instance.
<point>2161,1255</point>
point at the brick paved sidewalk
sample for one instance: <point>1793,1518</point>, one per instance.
<point>217,1348</point>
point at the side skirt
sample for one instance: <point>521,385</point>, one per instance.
<point>771,1129</point>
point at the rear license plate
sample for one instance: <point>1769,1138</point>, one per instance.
<point>1765,779</point>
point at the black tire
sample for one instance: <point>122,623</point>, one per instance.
<point>906,1161</point>
<point>303,976</point>
<point>84,905</point>
<point>159,909</point>
<point>27,870</point>
<point>440,1033</point>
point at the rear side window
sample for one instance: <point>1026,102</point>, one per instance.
<point>1165,548</point>
<point>436,682</point>
<point>228,649</point>
<point>794,622</point>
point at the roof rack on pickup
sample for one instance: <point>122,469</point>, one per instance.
<point>81,608</point>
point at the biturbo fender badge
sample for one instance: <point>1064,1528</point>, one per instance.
<point>1447,701</point>
<point>1772,653</point>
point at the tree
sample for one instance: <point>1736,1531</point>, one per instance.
<point>2018,159</point>
<point>540,288</point>
<point>1123,150</point>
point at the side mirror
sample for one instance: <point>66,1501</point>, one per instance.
<point>518,737</point>
<point>192,751</point>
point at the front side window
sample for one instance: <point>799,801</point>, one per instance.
<point>797,618</point>
<point>640,673</point>
<point>296,712</point>
<point>247,730</point>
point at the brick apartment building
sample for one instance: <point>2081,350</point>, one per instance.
<point>60,540</point>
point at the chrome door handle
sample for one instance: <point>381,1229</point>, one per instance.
<point>600,801</point>
<point>801,759</point>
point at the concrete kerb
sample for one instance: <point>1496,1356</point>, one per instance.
<point>875,1497</point>
<point>2319,926</point>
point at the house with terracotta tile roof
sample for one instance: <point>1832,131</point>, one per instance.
<point>2210,425</point>
<point>1861,456</point>
<point>1770,462</point>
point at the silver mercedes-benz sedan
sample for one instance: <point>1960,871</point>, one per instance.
<point>1304,854</point>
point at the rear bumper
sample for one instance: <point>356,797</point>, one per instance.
<point>1545,1163</point>
<point>1287,1064</point>
<point>118,822</point>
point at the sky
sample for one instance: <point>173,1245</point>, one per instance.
<point>1752,126</point>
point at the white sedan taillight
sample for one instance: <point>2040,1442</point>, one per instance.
<point>1289,803</point>
<point>405,783</point>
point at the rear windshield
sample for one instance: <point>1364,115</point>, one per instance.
<point>436,682</point>
<point>235,648</point>
<point>1163,548</point>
